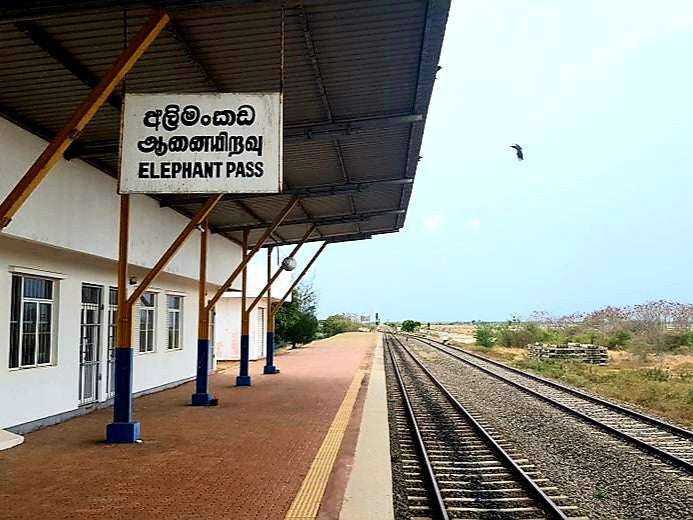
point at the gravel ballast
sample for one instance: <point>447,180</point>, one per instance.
<point>606,478</point>
<point>399,487</point>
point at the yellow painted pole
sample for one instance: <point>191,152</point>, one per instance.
<point>243,378</point>
<point>124,314</point>
<point>245,325</point>
<point>202,397</point>
<point>203,313</point>
<point>270,321</point>
<point>123,430</point>
<point>269,367</point>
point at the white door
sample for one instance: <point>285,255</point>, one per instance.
<point>261,334</point>
<point>110,355</point>
<point>90,343</point>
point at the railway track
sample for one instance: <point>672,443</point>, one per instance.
<point>453,466</point>
<point>667,441</point>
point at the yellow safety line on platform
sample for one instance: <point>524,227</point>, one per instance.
<point>307,501</point>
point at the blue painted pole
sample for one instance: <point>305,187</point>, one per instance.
<point>269,359</point>
<point>202,397</point>
<point>123,430</point>
<point>243,379</point>
<point>122,404</point>
<point>270,368</point>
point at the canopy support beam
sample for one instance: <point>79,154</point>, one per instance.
<point>74,127</point>
<point>274,311</point>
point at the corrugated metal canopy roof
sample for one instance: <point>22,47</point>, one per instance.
<point>358,81</point>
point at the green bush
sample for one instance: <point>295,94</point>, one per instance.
<point>555,337</point>
<point>485,336</point>
<point>675,340</point>
<point>296,321</point>
<point>410,325</point>
<point>520,337</point>
<point>503,336</point>
<point>618,339</point>
<point>655,374</point>
<point>337,324</point>
<point>526,335</point>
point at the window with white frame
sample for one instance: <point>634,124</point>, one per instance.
<point>147,319</point>
<point>31,321</point>
<point>174,313</point>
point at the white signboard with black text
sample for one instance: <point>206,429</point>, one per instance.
<point>201,143</point>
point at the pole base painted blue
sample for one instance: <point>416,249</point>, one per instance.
<point>243,381</point>
<point>123,432</point>
<point>243,378</point>
<point>204,400</point>
<point>202,397</point>
<point>269,366</point>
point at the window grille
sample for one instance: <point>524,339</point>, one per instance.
<point>31,322</point>
<point>174,306</point>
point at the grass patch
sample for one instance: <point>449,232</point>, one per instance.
<point>664,386</point>
<point>667,392</point>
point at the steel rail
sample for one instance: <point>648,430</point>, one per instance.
<point>597,400</point>
<point>440,507</point>
<point>546,504</point>
<point>645,446</point>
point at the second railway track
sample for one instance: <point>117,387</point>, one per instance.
<point>453,465</point>
<point>669,442</point>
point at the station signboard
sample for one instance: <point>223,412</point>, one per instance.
<point>201,143</point>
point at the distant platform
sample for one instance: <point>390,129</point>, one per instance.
<point>246,458</point>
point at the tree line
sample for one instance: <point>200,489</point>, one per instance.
<point>297,322</point>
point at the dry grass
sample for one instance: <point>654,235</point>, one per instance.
<point>622,359</point>
<point>662,384</point>
<point>466,330</point>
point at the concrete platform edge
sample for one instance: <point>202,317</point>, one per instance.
<point>369,491</point>
<point>9,440</point>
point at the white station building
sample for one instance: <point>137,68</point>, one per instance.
<point>352,83</point>
<point>58,264</point>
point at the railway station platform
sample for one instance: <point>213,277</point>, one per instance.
<point>265,452</point>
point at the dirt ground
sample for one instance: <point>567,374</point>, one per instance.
<point>621,359</point>
<point>244,459</point>
<point>618,359</point>
<point>466,330</point>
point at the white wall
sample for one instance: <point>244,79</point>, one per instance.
<point>33,393</point>
<point>227,330</point>
<point>257,278</point>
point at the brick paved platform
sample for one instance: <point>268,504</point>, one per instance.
<point>244,459</point>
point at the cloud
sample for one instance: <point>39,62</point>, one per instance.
<point>433,222</point>
<point>475,224</point>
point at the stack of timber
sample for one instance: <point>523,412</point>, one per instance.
<point>577,352</point>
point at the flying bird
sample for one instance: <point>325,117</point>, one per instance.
<point>518,149</point>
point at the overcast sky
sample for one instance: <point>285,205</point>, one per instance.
<point>600,96</point>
